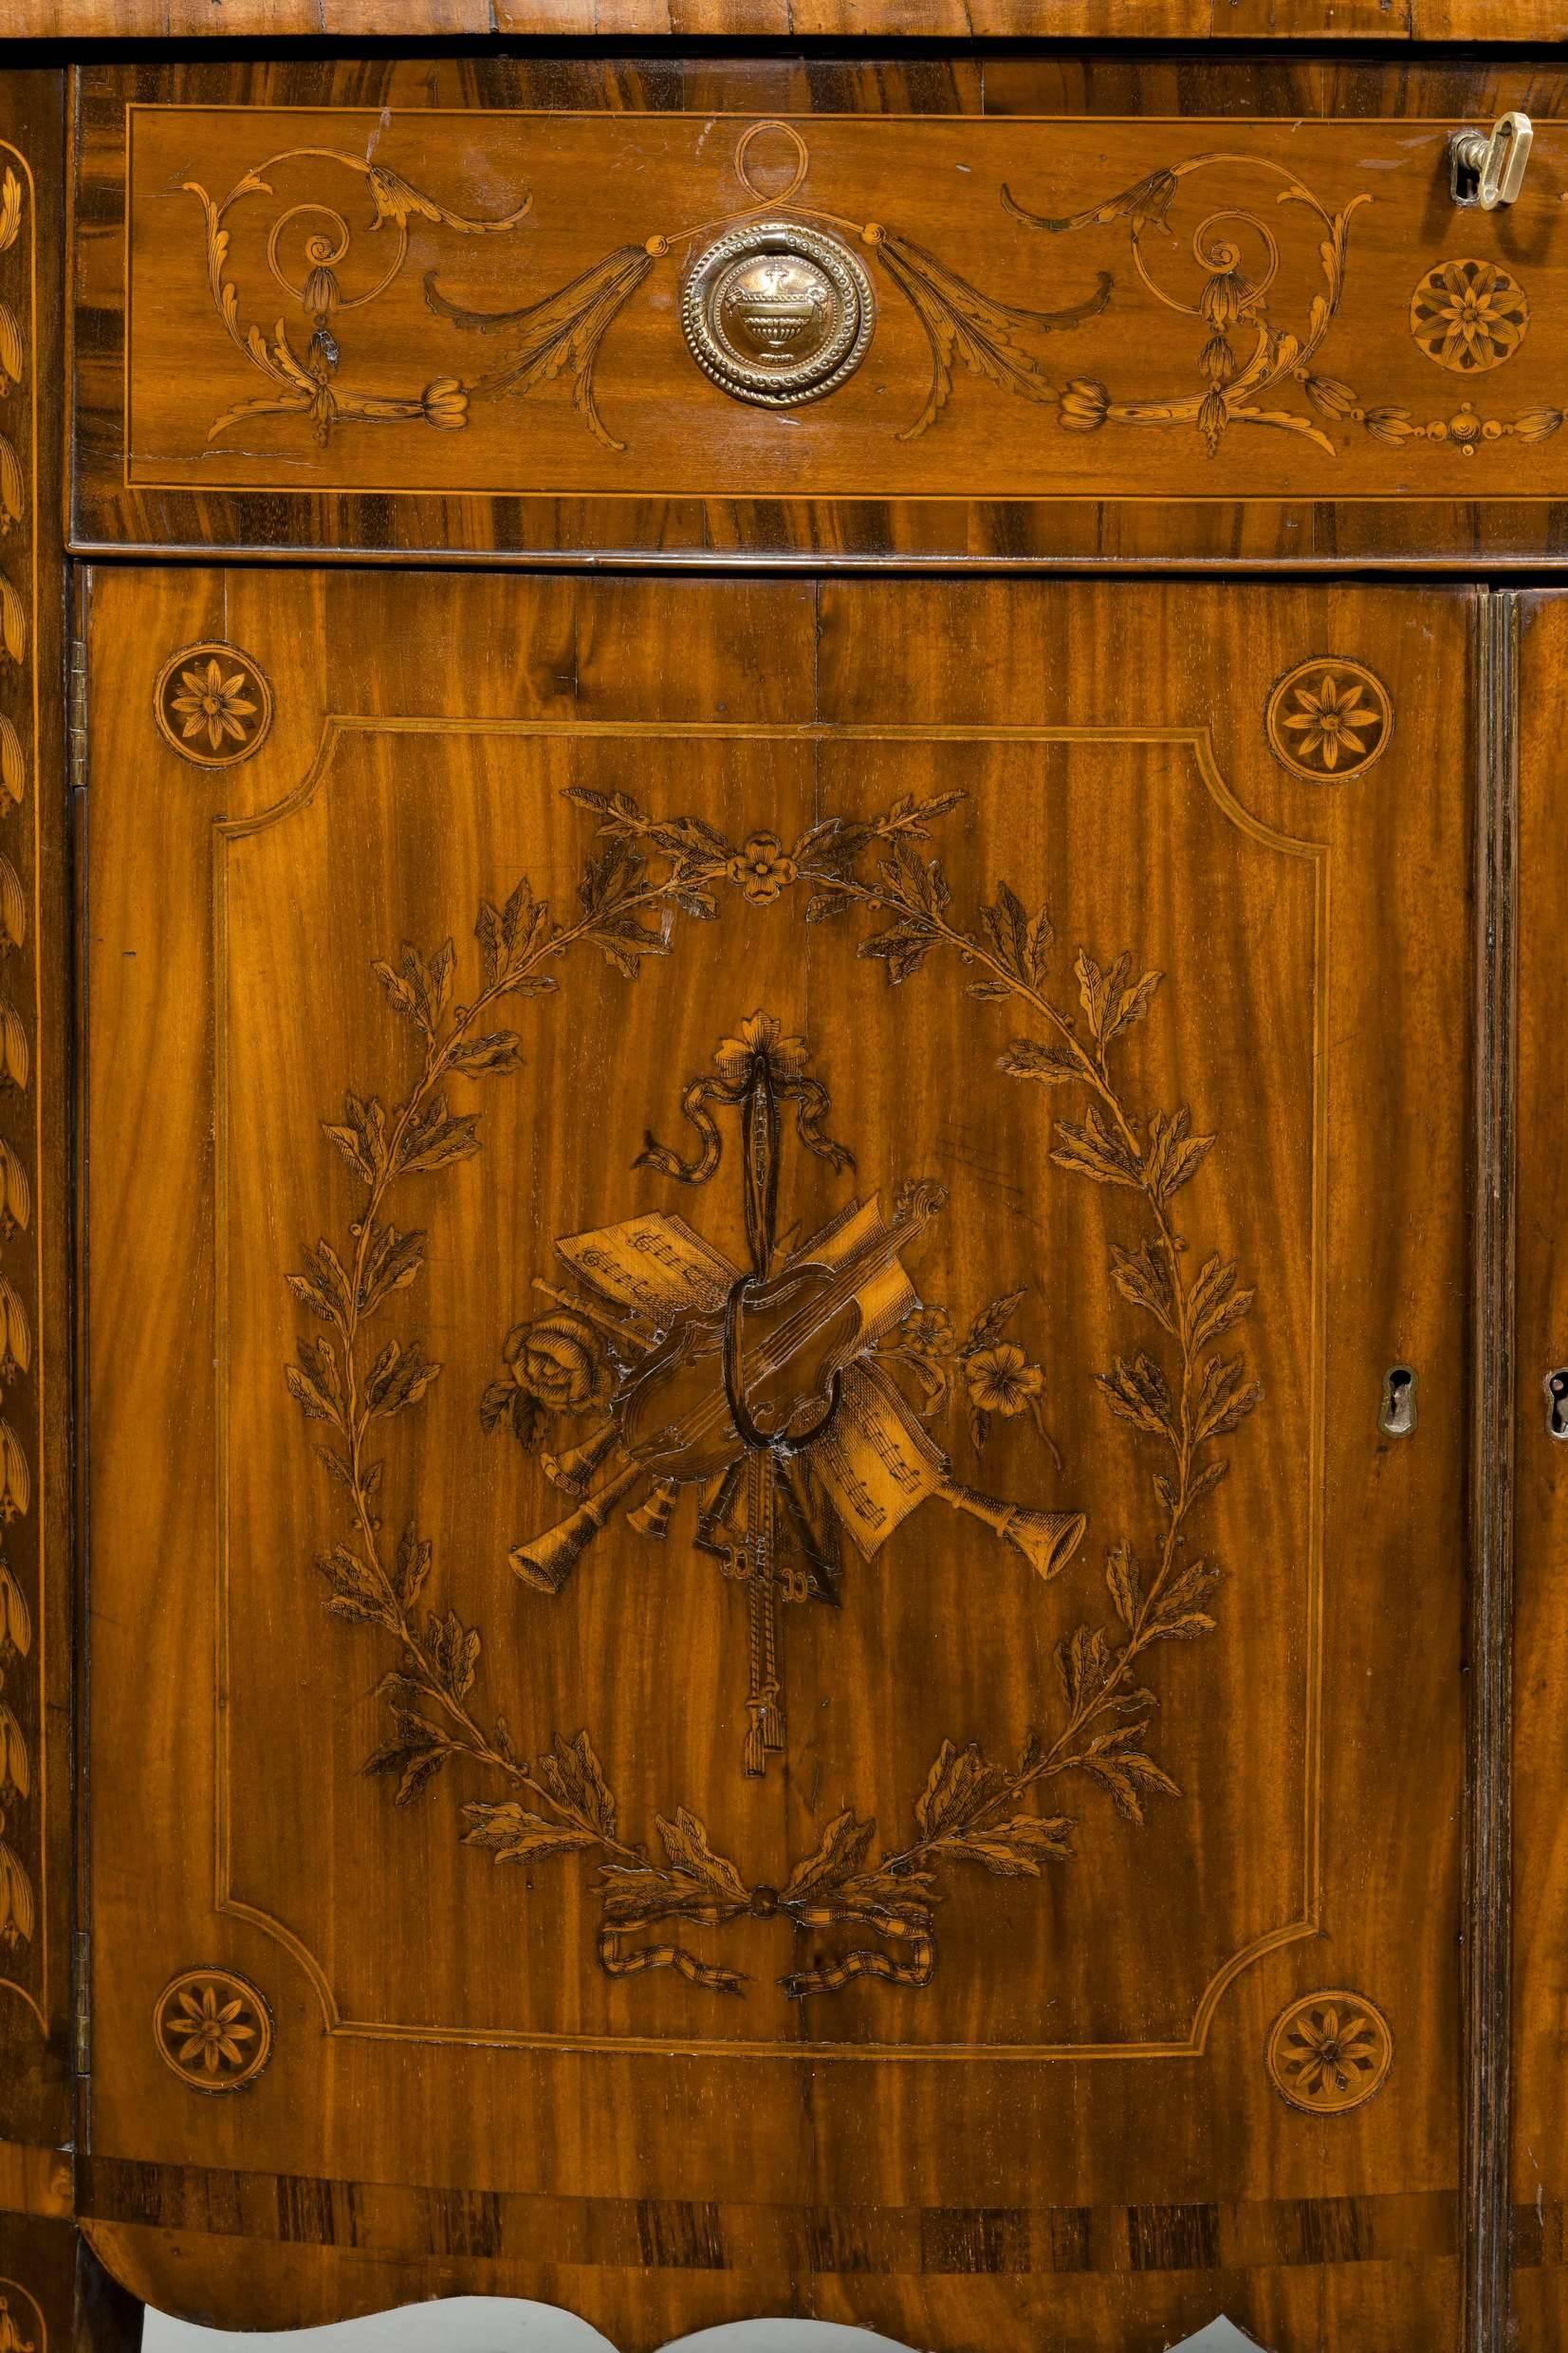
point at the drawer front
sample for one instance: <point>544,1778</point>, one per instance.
<point>842,333</point>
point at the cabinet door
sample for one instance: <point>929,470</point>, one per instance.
<point>778,1382</point>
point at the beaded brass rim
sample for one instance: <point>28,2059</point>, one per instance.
<point>777,314</point>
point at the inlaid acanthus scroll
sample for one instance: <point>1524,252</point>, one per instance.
<point>560,333</point>
<point>1260,337</point>
<point>309,386</point>
<point>962,325</point>
<point>1466,315</point>
<point>1230,305</point>
<point>1181,1395</point>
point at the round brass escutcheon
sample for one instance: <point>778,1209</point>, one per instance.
<point>776,313</point>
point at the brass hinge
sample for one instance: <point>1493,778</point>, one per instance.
<point>82,2002</point>
<point>77,717</point>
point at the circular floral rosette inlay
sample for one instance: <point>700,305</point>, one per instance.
<point>1328,718</point>
<point>214,2028</point>
<point>1329,2052</point>
<point>762,868</point>
<point>1469,316</point>
<point>212,705</point>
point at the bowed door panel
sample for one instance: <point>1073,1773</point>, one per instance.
<point>777,1437</point>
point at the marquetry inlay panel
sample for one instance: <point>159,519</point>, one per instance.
<point>779,1348</point>
<point>1062,309</point>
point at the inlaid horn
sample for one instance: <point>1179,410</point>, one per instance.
<point>573,1471</point>
<point>549,1560</point>
<point>651,1518</point>
<point>1046,1539</point>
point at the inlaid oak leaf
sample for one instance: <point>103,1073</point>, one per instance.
<point>691,1857</point>
<point>1015,1849</point>
<point>838,1854</point>
<point>512,1834</point>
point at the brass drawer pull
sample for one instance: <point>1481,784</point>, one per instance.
<point>777,313</point>
<point>1485,170</point>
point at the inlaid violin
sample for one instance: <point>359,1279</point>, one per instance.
<point>762,1372</point>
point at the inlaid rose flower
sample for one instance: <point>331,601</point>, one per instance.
<point>559,1362</point>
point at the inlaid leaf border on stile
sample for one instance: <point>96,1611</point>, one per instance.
<point>1198,744</point>
<point>23,1909</point>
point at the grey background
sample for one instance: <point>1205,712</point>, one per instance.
<point>480,2324</point>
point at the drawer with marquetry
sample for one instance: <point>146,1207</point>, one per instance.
<point>837,336</point>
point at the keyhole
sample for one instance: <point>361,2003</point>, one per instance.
<point>1397,1419</point>
<point>1556,1385</point>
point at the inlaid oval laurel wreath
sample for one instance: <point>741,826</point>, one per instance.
<point>1182,1395</point>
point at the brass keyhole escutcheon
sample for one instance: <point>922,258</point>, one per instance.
<point>777,313</point>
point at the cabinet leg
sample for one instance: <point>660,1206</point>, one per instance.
<point>56,2297</point>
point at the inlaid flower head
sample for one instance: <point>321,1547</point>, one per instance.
<point>445,405</point>
<point>1328,2052</point>
<point>1469,316</point>
<point>929,1332</point>
<point>214,704</point>
<point>1328,718</point>
<point>761,1033</point>
<point>1081,405</point>
<point>1002,1379</point>
<point>209,2034</point>
<point>561,1360</point>
<point>762,868</point>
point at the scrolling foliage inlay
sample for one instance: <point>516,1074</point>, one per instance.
<point>1466,315</point>
<point>560,333</point>
<point>991,1809</point>
<point>1249,368</point>
<point>961,325</point>
<point>309,386</point>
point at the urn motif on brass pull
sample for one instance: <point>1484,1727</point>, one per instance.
<point>777,313</point>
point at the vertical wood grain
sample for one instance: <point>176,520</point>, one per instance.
<point>1488,1856</point>
<point>1539,2184</point>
